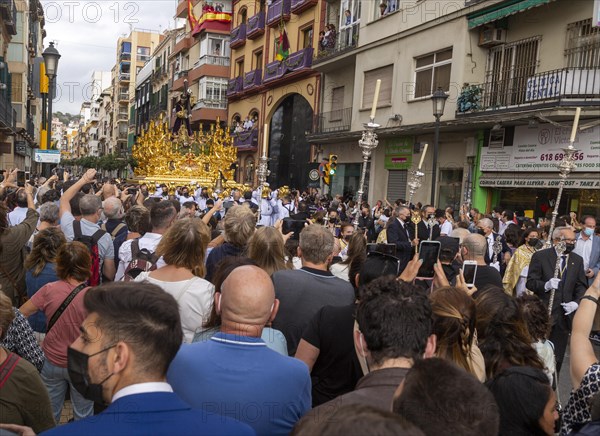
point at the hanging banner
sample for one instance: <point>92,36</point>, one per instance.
<point>539,148</point>
<point>46,156</point>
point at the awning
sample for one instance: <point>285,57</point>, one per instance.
<point>504,9</point>
<point>527,180</point>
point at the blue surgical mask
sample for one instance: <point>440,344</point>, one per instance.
<point>588,232</point>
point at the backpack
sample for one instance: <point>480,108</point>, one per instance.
<point>142,260</point>
<point>91,242</point>
<point>116,230</point>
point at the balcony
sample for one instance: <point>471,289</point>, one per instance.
<point>221,61</point>
<point>334,121</point>
<point>122,136</point>
<point>182,42</point>
<point>299,6</point>
<point>122,116</point>
<point>299,60</point>
<point>238,36</point>
<point>347,40</point>
<point>557,87</point>
<point>246,140</point>
<point>273,71</point>
<point>210,104</point>
<point>8,116</point>
<point>252,80</point>
<point>124,96</point>
<point>278,10</point>
<point>256,25</point>
<point>234,86</point>
<point>125,56</point>
<point>124,77</point>
<point>8,11</point>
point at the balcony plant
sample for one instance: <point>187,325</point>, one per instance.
<point>469,99</point>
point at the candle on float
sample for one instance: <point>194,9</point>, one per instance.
<point>575,125</point>
<point>423,155</point>
<point>375,98</point>
<point>265,139</point>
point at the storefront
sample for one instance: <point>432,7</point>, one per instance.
<point>521,174</point>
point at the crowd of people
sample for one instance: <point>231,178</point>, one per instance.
<point>171,311</point>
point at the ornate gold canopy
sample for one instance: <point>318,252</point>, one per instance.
<point>197,160</point>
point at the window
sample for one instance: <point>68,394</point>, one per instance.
<point>239,67</point>
<point>213,91</point>
<point>509,67</point>
<point>17,88</point>
<point>349,23</point>
<point>258,60</point>
<point>385,92</point>
<point>337,103</point>
<point>433,71</point>
<point>583,45</point>
<point>307,37</point>
<point>143,53</point>
<point>385,7</point>
<point>242,15</point>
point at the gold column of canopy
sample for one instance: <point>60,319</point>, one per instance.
<point>204,159</point>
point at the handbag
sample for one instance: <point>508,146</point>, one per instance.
<point>64,306</point>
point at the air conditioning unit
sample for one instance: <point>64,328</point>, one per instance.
<point>490,36</point>
<point>496,141</point>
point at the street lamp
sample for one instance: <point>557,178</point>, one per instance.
<point>51,57</point>
<point>438,99</point>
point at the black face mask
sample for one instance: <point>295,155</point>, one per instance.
<point>569,248</point>
<point>533,242</point>
<point>481,232</point>
<point>77,367</point>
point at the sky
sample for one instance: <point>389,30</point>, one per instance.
<point>86,34</point>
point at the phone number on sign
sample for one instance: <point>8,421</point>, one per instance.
<point>559,156</point>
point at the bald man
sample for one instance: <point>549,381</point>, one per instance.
<point>235,374</point>
<point>474,249</point>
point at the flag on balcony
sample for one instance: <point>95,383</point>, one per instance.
<point>282,45</point>
<point>191,17</point>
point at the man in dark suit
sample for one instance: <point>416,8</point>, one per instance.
<point>485,228</point>
<point>399,235</point>
<point>127,342</point>
<point>570,286</point>
<point>424,231</point>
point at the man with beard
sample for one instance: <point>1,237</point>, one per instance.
<point>568,287</point>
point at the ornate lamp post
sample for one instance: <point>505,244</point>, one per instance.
<point>51,57</point>
<point>438,99</point>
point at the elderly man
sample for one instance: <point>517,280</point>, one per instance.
<point>485,227</point>
<point>251,382</point>
<point>304,291</point>
<point>91,210</point>
<point>399,235</point>
<point>568,287</point>
<point>474,248</point>
<point>114,225</point>
<point>18,214</point>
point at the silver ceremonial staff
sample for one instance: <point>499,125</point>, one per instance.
<point>262,173</point>
<point>367,143</point>
<point>565,166</point>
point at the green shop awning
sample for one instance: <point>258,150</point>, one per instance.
<point>502,10</point>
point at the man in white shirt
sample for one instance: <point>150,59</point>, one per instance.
<point>162,216</point>
<point>17,216</point>
<point>445,224</point>
<point>506,219</point>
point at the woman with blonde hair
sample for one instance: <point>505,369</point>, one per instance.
<point>41,268</point>
<point>454,326</point>
<point>183,248</point>
<point>267,248</point>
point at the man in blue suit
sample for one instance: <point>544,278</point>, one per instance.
<point>127,342</point>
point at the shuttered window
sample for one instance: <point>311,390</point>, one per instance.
<point>337,103</point>
<point>396,187</point>
<point>386,75</point>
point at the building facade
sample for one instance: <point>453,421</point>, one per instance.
<point>272,82</point>
<point>133,52</point>
<point>8,116</point>
<point>500,54</point>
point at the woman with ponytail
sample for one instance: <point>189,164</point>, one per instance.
<point>454,326</point>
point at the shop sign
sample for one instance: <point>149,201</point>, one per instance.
<point>398,153</point>
<point>47,156</point>
<point>539,149</point>
<point>538,183</point>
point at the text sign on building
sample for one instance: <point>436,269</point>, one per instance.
<point>46,156</point>
<point>398,153</point>
<point>538,183</point>
<point>539,149</point>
